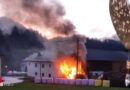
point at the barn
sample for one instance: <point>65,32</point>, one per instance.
<point>106,60</point>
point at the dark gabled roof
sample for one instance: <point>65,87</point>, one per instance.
<point>106,55</point>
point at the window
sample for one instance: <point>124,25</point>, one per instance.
<point>29,64</point>
<point>26,69</point>
<point>35,64</point>
<point>35,73</point>
<point>43,65</point>
<point>49,65</point>
<point>49,75</point>
<point>42,74</point>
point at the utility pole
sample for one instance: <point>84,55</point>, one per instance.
<point>39,55</point>
<point>77,56</point>
<point>128,62</point>
<point>40,72</point>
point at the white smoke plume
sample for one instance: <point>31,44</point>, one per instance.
<point>58,47</point>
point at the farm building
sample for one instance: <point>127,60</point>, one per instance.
<point>107,56</point>
<point>97,61</point>
<point>106,60</point>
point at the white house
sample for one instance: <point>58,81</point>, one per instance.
<point>40,66</point>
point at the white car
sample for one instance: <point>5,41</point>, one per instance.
<point>127,80</point>
<point>1,84</point>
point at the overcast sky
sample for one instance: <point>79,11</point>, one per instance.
<point>91,17</point>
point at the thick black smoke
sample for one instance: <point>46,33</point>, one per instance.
<point>46,14</point>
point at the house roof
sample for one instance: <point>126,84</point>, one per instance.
<point>38,57</point>
<point>106,55</point>
<point>30,57</point>
<point>92,55</point>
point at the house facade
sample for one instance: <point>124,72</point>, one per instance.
<point>41,69</point>
<point>40,66</point>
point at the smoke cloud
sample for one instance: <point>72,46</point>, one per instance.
<point>61,47</point>
<point>43,14</point>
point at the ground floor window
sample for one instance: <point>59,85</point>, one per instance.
<point>35,73</point>
<point>49,75</point>
<point>35,64</point>
<point>43,65</point>
<point>42,74</point>
<point>49,65</point>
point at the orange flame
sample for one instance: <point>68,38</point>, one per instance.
<point>68,67</point>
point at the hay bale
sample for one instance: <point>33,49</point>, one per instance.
<point>49,80</point>
<point>61,81</point>
<point>98,82</point>
<point>44,80</point>
<point>84,81</point>
<point>78,81</point>
<point>56,81</point>
<point>66,81</point>
<point>37,80</point>
<point>71,82</point>
<point>106,83</point>
<point>91,82</point>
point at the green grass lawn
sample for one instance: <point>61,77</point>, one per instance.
<point>31,86</point>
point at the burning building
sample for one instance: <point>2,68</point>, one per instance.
<point>62,58</point>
